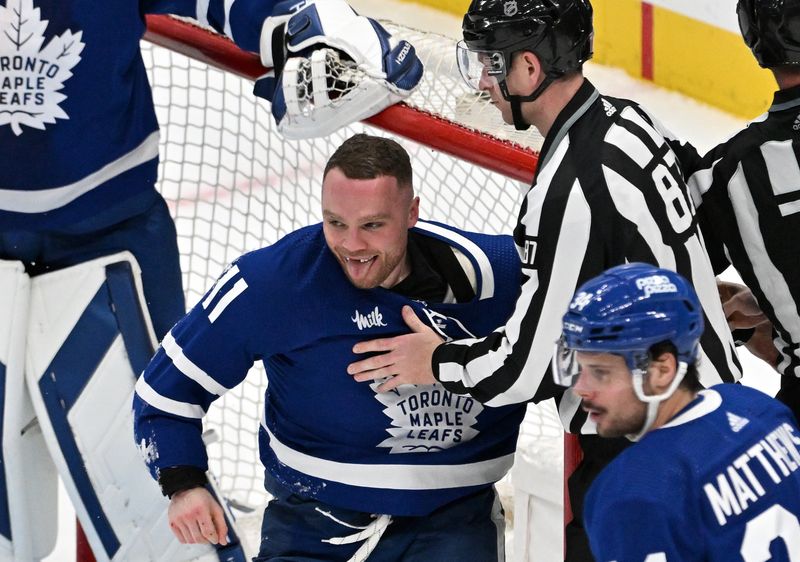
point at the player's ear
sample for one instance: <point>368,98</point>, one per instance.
<point>413,212</point>
<point>662,371</point>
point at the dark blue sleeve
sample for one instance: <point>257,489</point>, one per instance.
<point>242,22</point>
<point>204,355</point>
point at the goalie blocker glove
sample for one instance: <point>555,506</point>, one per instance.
<point>331,67</point>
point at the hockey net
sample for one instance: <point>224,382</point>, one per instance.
<point>234,185</point>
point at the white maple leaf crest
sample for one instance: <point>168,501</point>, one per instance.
<point>427,419</point>
<point>31,76</point>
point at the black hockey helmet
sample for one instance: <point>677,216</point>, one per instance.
<point>559,32</point>
<point>771,28</point>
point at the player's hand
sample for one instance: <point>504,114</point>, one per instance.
<point>740,306</point>
<point>742,312</point>
<point>195,517</point>
<point>406,359</point>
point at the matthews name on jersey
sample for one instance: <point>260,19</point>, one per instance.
<point>719,482</point>
<point>622,201</point>
<point>77,124</point>
<point>324,435</point>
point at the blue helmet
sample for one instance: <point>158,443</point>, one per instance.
<point>627,310</point>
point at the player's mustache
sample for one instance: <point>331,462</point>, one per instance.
<point>589,405</point>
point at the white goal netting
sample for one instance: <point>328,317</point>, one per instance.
<point>234,185</point>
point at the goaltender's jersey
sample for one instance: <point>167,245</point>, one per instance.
<point>608,190</point>
<point>323,435</point>
<point>717,483</point>
<point>748,194</point>
<point>78,129</point>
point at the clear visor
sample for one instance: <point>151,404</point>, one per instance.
<point>480,68</point>
<point>566,367</point>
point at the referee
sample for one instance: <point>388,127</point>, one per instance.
<point>748,189</point>
<point>608,190</point>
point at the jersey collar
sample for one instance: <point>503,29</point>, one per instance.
<point>706,402</point>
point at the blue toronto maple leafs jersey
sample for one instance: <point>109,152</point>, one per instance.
<point>77,126</point>
<point>718,483</point>
<point>323,435</point>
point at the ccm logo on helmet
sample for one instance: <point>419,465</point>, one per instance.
<point>656,284</point>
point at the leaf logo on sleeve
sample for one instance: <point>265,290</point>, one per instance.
<point>31,75</point>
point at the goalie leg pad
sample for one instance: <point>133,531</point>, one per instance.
<point>28,479</point>
<point>89,337</point>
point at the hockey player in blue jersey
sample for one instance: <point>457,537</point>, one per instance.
<point>405,475</point>
<point>79,149</point>
<point>714,475</point>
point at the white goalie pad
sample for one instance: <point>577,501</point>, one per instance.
<point>28,479</point>
<point>89,337</point>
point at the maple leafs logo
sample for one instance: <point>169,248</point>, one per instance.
<point>31,76</point>
<point>427,419</point>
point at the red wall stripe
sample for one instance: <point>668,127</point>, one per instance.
<point>647,41</point>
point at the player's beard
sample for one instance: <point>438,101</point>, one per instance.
<point>628,422</point>
<point>372,274</point>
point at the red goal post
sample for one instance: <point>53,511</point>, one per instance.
<point>233,185</point>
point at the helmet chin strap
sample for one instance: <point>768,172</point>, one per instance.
<point>655,400</point>
<point>516,102</point>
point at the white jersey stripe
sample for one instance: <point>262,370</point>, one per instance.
<point>790,208</point>
<point>573,239</point>
<point>238,288</point>
<point>631,204</point>
<point>188,368</point>
<point>630,144</point>
<point>782,167</point>
<point>633,116</point>
<point>227,276</point>
<point>770,279</point>
<point>201,10</point>
<point>228,6</point>
<point>168,405</point>
<point>43,200</point>
<point>392,476</point>
<point>472,249</point>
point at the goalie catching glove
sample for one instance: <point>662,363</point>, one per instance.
<point>331,67</point>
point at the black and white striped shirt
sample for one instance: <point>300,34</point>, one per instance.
<point>748,194</point>
<point>608,190</point>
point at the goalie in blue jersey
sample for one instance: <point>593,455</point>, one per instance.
<point>406,475</point>
<point>714,475</point>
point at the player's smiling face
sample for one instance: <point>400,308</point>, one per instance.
<point>366,224</point>
<point>606,389</point>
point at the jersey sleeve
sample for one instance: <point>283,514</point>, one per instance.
<point>240,20</point>
<point>512,364</point>
<point>204,355</point>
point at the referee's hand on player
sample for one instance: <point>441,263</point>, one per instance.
<point>402,359</point>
